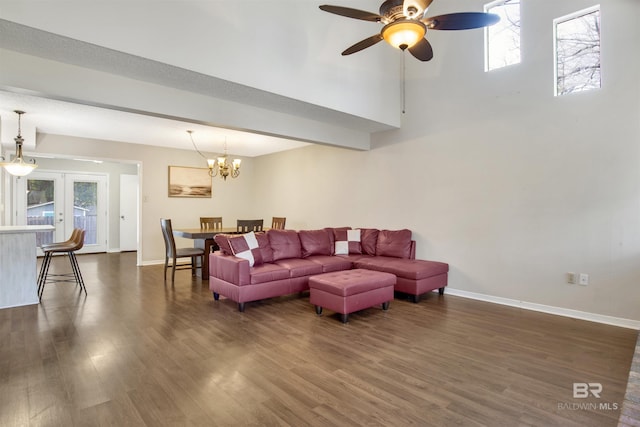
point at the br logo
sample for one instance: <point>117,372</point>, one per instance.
<point>584,390</point>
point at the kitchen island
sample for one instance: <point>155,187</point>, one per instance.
<point>18,264</point>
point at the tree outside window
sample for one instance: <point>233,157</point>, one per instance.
<point>577,46</point>
<point>502,40</point>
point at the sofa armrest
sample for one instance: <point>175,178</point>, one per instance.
<point>229,268</point>
<point>412,253</point>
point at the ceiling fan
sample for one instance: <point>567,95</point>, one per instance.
<point>406,24</point>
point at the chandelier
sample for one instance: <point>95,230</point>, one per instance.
<point>220,166</point>
<point>17,166</point>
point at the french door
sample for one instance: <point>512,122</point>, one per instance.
<point>66,201</point>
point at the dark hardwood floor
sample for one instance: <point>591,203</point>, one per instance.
<point>630,415</point>
<point>138,352</point>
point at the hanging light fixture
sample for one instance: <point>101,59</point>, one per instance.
<point>225,168</point>
<point>221,166</point>
<point>17,166</point>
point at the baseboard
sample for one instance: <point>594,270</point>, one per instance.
<point>113,250</point>
<point>582,315</point>
<point>153,262</point>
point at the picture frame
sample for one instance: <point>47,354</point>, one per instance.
<point>189,182</point>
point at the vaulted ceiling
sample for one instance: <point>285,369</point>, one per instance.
<point>124,73</point>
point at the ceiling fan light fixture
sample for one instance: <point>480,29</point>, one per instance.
<point>404,33</point>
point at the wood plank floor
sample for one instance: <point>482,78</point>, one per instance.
<point>137,352</point>
<point>630,415</point>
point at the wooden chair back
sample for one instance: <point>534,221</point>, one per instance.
<point>278,222</point>
<point>211,222</point>
<point>169,241</point>
<point>247,225</point>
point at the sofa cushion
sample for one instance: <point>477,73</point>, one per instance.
<point>314,242</point>
<point>299,267</point>
<point>285,244</point>
<point>246,247</point>
<point>347,242</point>
<point>222,240</point>
<point>406,268</point>
<point>394,243</point>
<point>265,246</point>
<point>268,273</point>
<point>332,263</point>
<point>368,240</point>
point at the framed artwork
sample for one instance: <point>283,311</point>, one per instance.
<point>189,182</point>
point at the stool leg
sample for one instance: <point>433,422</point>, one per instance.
<point>44,269</point>
<point>344,317</point>
<point>73,268</point>
<point>76,270</point>
<point>318,310</point>
<point>385,305</point>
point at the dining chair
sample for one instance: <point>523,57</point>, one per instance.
<point>68,247</point>
<point>247,225</point>
<point>173,253</point>
<point>277,223</point>
<point>211,222</point>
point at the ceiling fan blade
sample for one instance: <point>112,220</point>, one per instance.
<point>413,8</point>
<point>422,50</point>
<point>351,13</point>
<point>461,21</point>
<point>363,44</point>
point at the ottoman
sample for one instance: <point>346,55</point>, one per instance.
<point>351,290</point>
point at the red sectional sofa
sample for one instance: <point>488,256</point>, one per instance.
<point>256,266</point>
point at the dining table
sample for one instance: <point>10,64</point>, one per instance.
<point>203,238</point>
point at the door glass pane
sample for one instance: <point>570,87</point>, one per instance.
<point>41,207</point>
<point>85,209</point>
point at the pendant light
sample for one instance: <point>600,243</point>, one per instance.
<point>17,166</point>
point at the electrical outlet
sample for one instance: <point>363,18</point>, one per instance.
<point>584,279</point>
<point>571,278</point>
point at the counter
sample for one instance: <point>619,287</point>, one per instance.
<point>19,264</point>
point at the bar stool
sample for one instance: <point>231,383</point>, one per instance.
<point>69,247</point>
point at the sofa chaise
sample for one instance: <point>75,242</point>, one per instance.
<point>262,265</point>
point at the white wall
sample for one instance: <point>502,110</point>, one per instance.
<point>510,185</point>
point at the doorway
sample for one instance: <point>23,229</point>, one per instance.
<point>66,201</point>
<point>128,212</point>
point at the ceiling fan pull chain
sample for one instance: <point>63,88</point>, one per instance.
<point>404,85</point>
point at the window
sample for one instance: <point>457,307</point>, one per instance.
<point>577,51</point>
<point>502,40</point>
